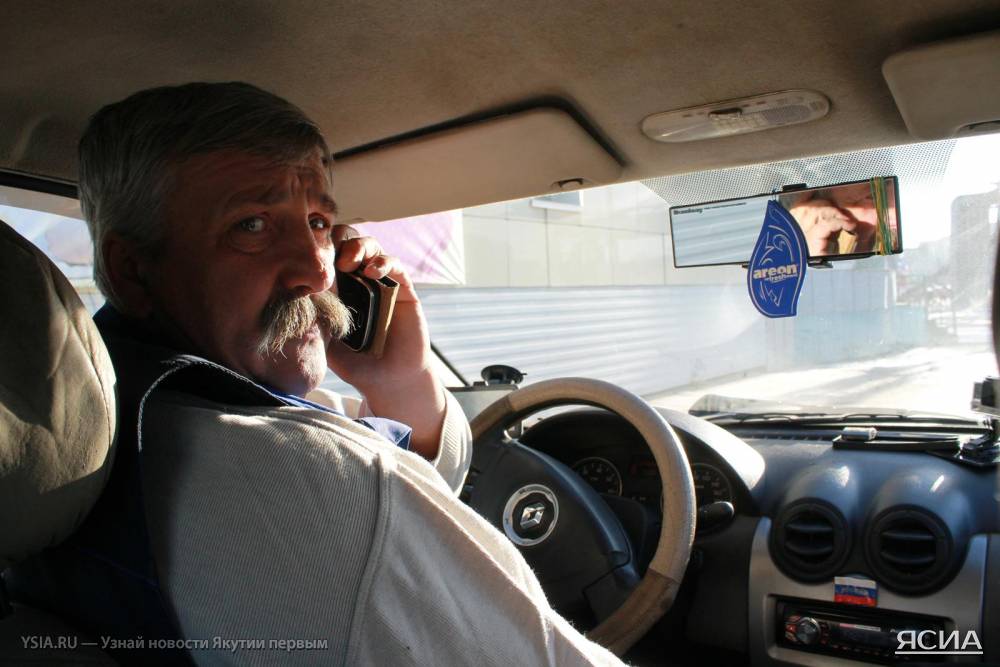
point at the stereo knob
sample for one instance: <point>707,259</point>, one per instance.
<point>807,631</point>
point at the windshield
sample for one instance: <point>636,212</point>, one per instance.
<point>584,284</point>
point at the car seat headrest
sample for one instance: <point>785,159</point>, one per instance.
<point>57,403</point>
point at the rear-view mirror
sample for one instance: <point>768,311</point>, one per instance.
<point>839,222</point>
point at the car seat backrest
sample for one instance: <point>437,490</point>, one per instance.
<point>57,403</point>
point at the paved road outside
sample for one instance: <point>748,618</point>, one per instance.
<point>937,378</point>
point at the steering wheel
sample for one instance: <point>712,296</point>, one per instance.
<point>566,532</point>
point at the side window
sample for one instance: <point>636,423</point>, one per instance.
<point>55,226</point>
<point>612,236</point>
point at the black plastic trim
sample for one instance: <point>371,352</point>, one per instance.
<point>36,184</point>
<point>796,562</point>
<point>930,572</point>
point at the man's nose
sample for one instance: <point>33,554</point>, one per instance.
<point>307,261</point>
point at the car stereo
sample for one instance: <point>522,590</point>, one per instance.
<point>865,635</point>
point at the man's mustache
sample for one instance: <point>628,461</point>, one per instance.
<point>286,318</point>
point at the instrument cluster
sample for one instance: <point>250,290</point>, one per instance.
<point>638,479</point>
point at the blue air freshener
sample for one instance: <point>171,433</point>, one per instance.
<point>778,264</point>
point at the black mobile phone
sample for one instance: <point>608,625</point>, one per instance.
<point>371,303</point>
<point>357,293</point>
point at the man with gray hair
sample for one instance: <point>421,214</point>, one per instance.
<point>247,511</point>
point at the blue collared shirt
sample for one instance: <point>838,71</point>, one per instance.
<point>393,431</point>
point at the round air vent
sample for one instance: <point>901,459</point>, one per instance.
<point>910,550</point>
<point>810,540</point>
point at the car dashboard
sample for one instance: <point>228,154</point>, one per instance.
<point>830,556</point>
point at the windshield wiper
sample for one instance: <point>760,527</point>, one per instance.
<point>828,418</point>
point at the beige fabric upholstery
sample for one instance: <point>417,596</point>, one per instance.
<point>57,403</point>
<point>513,156</point>
<point>380,69</point>
<point>931,84</point>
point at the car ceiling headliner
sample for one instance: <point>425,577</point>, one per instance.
<point>367,72</point>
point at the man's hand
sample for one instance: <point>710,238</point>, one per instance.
<point>402,384</point>
<point>822,221</point>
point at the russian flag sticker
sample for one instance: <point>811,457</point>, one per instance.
<point>855,590</point>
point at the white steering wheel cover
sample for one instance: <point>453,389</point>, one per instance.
<point>654,594</point>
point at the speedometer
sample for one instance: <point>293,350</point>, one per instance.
<point>710,485</point>
<point>600,474</point>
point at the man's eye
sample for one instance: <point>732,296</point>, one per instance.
<point>319,223</point>
<point>254,224</point>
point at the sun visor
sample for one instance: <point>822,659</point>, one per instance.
<point>531,152</point>
<point>948,89</point>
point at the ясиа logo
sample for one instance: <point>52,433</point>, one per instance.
<point>938,642</point>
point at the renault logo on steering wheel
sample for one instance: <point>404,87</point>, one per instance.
<point>530,515</point>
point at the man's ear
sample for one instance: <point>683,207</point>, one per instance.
<point>128,274</point>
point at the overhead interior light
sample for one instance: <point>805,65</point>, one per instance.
<point>739,116</point>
